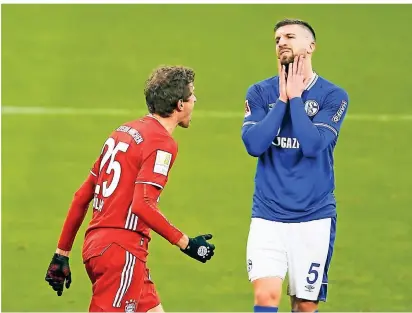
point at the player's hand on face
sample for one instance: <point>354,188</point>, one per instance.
<point>199,248</point>
<point>59,272</point>
<point>282,82</point>
<point>296,81</point>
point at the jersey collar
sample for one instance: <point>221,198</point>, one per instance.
<point>152,116</point>
<point>158,122</point>
<point>312,81</point>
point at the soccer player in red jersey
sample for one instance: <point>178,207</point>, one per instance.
<point>124,187</point>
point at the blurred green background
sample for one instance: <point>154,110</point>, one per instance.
<point>98,57</point>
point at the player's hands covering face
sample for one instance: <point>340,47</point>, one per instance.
<point>199,248</point>
<point>295,83</point>
<point>283,96</point>
<point>58,272</point>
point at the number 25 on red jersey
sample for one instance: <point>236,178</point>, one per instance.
<point>114,167</point>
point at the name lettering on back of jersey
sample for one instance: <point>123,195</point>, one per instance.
<point>286,143</point>
<point>97,202</point>
<point>248,112</point>
<point>132,132</point>
<point>336,118</point>
<point>162,163</point>
<point>311,107</point>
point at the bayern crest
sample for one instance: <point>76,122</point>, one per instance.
<point>130,306</point>
<point>311,107</point>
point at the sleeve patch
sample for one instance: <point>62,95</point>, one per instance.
<point>338,115</point>
<point>162,162</point>
<point>248,112</point>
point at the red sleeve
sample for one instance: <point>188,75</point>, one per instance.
<point>144,205</point>
<point>96,167</point>
<point>78,210</point>
<point>150,181</point>
<point>158,159</point>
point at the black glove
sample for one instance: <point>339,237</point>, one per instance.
<point>58,271</point>
<point>199,249</point>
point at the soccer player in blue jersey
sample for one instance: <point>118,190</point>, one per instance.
<point>292,124</point>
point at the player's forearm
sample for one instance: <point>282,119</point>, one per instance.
<point>144,206</point>
<point>258,137</point>
<point>311,138</point>
<point>183,242</point>
<point>62,252</point>
<point>76,214</point>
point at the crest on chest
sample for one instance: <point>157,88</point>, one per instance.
<point>311,107</point>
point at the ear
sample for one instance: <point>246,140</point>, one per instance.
<point>312,47</point>
<point>180,105</point>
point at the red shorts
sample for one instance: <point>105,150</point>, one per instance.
<point>121,282</point>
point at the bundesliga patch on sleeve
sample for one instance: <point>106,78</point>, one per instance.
<point>247,109</point>
<point>162,162</point>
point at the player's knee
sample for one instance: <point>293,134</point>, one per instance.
<point>268,292</point>
<point>305,305</point>
<point>266,298</point>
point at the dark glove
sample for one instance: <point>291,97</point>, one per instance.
<point>58,272</point>
<point>199,249</point>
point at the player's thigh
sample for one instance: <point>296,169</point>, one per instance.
<point>119,280</point>
<point>149,299</point>
<point>266,252</point>
<point>310,246</point>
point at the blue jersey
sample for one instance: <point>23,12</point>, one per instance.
<point>294,143</point>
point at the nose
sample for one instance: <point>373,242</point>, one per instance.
<point>282,42</point>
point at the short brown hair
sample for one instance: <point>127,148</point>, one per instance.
<point>166,86</point>
<point>304,24</point>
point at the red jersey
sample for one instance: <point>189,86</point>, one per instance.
<point>140,152</point>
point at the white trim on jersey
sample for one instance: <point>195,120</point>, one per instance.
<point>126,279</point>
<point>152,116</point>
<point>95,175</point>
<point>149,183</point>
<point>327,126</point>
<point>312,81</point>
<point>135,222</point>
<point>249,123</point>
<point>131,220</point>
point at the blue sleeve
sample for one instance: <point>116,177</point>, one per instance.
<point>260,128</point>
<point>314,136</point>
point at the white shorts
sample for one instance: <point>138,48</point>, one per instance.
<point>303,250</point>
